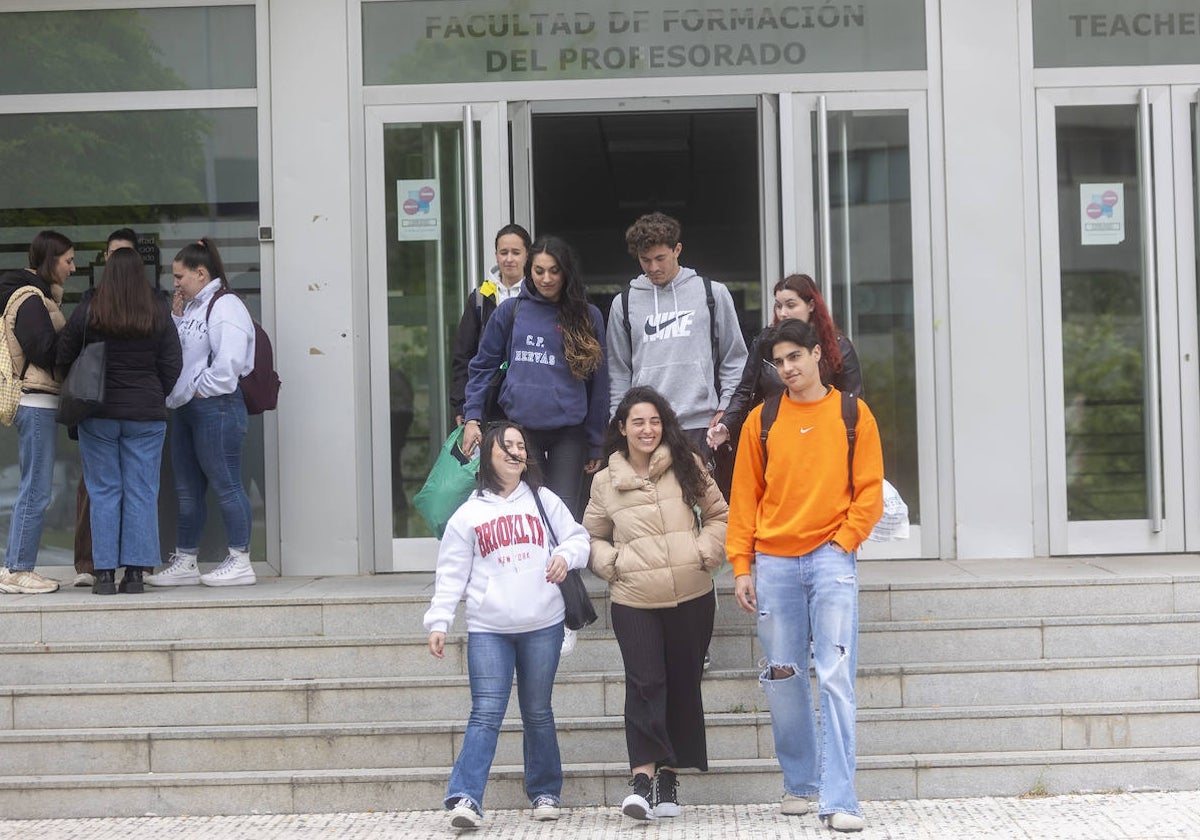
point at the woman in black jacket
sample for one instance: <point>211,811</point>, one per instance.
<point>796,296</point>
<point>121,444</point>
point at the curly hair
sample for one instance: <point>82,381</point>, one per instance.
<point>486,478</point>
<point>822,321</point>
<point>650,230</point>
<point>580,344</point>
<point>685,461</point>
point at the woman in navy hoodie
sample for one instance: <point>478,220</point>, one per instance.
<point>557,380</point>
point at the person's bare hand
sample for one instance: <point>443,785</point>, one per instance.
<point>743,590</point>
<point>437,643</point>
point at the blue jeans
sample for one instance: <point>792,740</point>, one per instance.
<point>37,436</point>
<point>206,449</point>
<point>121,460</point>
<point>810,604</point>
<point>491,660</point>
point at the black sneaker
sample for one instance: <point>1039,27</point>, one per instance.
<point>637,804</point>
<point>666,793</point>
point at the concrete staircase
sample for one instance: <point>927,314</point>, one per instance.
<point>301,695</point>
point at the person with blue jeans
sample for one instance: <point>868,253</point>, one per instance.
<point>30,299</point>
<point>121,443</point>
<point>210,421</point>
<point>802,502</point>
<point>506,549</point>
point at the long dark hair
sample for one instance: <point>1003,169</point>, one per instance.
<point>124,306</point>
<point>580,345</point>
<point>493,437</point>
<point>684,458</point>
<point>44,251</point>
<point>204,253</point>
<point>822,321</point>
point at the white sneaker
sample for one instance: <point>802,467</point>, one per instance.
<point>25,582</point>
<point>84,579</point>
<point>545,808</point>
<point>465,815</point>
<point>181,570</point>
<point>235,570</point>
<point>568,645</point>
<point>844,822</point>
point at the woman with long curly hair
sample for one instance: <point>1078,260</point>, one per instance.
<point>796,296</point>
<point>657,523</point>
<point>552,342</point>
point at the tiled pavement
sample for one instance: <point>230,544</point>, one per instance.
<point>1115,816</point>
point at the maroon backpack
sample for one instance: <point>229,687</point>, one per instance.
<point>260,387</point>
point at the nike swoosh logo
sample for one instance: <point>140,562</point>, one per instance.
<point>651,329</point>
<point>806,431</point>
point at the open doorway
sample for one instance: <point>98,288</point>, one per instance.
<point>595,173</point>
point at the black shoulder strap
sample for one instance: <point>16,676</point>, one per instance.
<point>537,497</point>
<point>625,310</point>
<point>712,336</point>
<point>511,324</point>
<point>770,411</point>
<point>849,417</point>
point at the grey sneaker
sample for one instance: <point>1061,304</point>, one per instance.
<point>25,582</point>
<point>181,570</point>
<point>794,806</point>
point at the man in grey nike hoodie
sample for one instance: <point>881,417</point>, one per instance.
<point>667,342</point>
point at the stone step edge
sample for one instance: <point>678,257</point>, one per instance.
<point>573,677</point>
<point>590,634</point>
<point>616,770</point>
<point>712,719</point>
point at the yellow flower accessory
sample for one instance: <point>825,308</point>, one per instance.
<point>488,289</point>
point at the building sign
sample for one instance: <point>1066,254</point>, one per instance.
<point>1101,214</point>
<point>1115,33</point>
<point>418,210</point>
<point>434,41</point>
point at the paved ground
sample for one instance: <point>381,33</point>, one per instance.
<point>1121,816</point>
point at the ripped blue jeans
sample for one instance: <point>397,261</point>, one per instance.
<point>810,604</point>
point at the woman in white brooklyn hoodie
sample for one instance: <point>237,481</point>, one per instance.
<point>507,554</point>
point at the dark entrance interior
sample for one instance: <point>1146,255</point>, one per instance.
<point>594,173</point>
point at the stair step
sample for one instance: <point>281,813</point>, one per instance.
<point>728,781</point>
<point>189,749</point>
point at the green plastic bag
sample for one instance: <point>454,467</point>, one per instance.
<point>449,484</point>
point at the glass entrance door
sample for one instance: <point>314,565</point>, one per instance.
<point>436,185</point>
<point>857,220</point>
<point>1119,367</point>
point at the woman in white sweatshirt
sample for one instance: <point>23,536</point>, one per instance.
<point>507,548</point>
<point>209,418</point>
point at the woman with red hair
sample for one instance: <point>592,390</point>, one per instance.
<point>796,296</point>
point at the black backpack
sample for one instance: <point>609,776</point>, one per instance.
<point>849,416</point>
<point>260,387</point>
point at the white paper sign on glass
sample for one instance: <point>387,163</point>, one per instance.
<point>418,210</point>
<point>1101,214</point>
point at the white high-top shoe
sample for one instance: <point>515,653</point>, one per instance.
<point>181,570</point>
<point>235,570</point>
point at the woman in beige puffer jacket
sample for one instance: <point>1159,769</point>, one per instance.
<point>657,523</point>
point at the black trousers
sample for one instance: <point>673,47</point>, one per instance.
<point>563,455</point>
<point>664,652</point>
